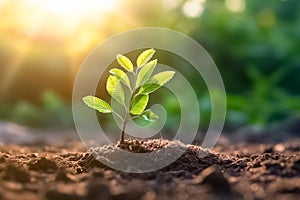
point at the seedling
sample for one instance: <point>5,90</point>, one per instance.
<point>139,87</point>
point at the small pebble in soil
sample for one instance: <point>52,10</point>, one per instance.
<point>279,147</point>
<point>42,164</point>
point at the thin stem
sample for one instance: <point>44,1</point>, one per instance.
<point>135,72</point>
<point>122,139</point>
<point>123,134</point>
<point>119,115</point>
<point>127,109</point>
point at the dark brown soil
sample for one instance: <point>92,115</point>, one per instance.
<point>143,146</point>
<point>239,171</point>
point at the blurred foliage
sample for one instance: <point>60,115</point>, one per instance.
<point>53,113</point>
<point>265,102</point>
<point>255,44</point>
<point>257,52</point>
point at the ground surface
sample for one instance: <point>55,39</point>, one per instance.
<point>252,171</point>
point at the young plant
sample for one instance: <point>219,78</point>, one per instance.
<point>139,87</point>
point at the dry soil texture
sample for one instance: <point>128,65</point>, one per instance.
<point>240,171</point>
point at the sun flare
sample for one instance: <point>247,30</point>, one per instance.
<point>76,7</point>
<point>66,26</point>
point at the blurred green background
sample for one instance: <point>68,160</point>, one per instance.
<point>255,44</point>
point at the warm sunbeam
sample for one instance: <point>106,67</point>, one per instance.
<point>75,8</point>
<point>70,14</point>
<point>69,27</point>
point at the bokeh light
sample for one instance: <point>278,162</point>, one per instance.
<point>235,5</point>
<point>193,8</point>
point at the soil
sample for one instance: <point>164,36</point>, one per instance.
<point>237,171</point>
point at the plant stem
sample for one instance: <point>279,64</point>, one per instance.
<point>123,133</point>
<point>127,114</point>
<point>118,115</point>
<point>122,139</point>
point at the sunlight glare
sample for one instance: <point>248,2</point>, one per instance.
<point>63,18</point>
<point>3,3</point>
<point>193,8</point>
<point>76,7</point>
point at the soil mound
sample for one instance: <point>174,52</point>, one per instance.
<point>179,160</point>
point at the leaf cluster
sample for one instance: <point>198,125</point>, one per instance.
<point>140,87</point>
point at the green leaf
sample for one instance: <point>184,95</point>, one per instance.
<point>114,88</point>
<point>139,104</point>
<point>162,77</point>
<point>149,88</point>
<point>97,104</point>
<point>121,76</point>
<point>149,116</point>
<point>156,82</point>
<point>125,62</point>
<point>145,73</point>
<point>144,57</point>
